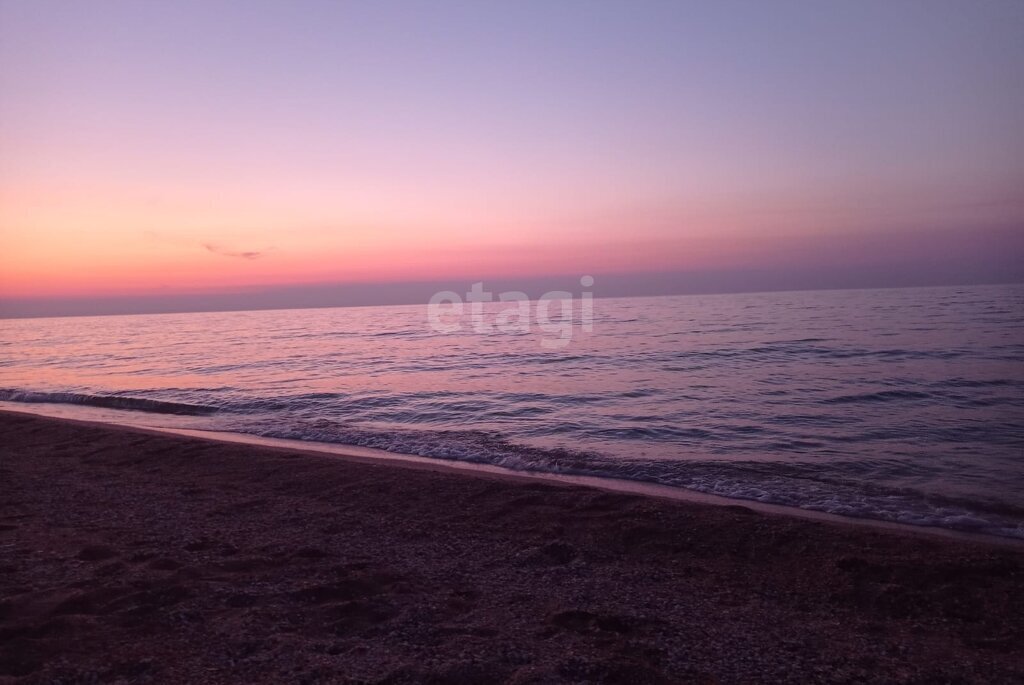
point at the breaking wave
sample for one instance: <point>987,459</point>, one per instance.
<point>106,402</point>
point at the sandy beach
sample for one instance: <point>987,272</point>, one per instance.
<point>128,556</point>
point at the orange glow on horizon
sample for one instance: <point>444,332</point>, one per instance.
<point>90,239</point>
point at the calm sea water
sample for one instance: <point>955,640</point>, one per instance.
<point>903,405</point>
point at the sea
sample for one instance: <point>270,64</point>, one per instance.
<point>900,405</point>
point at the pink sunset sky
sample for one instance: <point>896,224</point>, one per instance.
<point>151,150</point>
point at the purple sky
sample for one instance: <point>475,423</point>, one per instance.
<point>207,155</point>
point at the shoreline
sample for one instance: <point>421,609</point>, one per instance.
<point>136,554</point>
<point>634,487</point>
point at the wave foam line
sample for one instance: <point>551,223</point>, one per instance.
<point>106,402</point>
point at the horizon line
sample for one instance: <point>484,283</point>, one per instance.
<point>1017,280</point>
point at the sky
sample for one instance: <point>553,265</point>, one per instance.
<point>160,156</point>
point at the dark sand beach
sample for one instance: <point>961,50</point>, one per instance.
<point>128,556</point>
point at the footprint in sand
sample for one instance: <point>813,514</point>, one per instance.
<point>96,553</point>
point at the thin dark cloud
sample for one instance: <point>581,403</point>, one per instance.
<point>224,252</point>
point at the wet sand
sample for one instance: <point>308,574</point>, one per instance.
<point>130,556</point>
